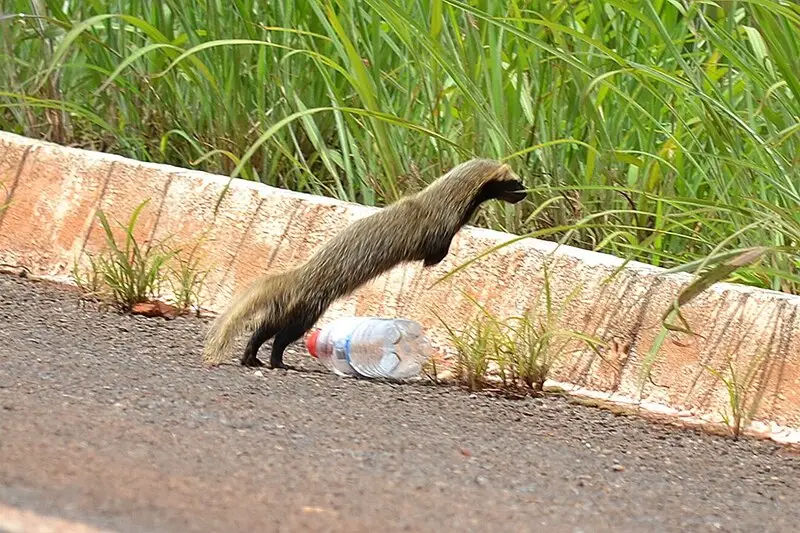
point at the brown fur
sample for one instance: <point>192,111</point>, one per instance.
<point>419,227</point>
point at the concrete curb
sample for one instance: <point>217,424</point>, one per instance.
<point>55,192</point>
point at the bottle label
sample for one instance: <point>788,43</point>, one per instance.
<point>346,351</point>
<point>343,354</point>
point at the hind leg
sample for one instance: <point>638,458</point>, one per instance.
<point>286,336</point>
<point>261,335</point>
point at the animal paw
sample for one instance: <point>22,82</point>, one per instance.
<point>252,362</point>
<point>283,366</point>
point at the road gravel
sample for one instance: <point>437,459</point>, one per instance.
<point>111,420</point>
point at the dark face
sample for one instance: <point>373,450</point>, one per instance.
<point>508,190</point>
<point>512,191</point>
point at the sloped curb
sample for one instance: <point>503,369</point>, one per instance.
<point>55,193</point>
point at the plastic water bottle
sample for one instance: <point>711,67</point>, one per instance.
<point>391,348</point>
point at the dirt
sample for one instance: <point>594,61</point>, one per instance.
<point>112,420</point>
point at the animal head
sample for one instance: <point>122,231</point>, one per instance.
<point>505,186</point>
<point>485,179</point>
<point>468,185</point>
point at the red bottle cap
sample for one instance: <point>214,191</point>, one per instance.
<point>311,342</point>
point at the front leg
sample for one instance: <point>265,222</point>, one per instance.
<point>286,336</point>
<point>261,335</point>
<point>436,255</point>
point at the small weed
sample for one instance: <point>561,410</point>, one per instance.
<point>472,349</point>
<point>537,348</point>
<point>533,359</point>
<point>90,283</point>
<point>432,367</point>
<point>523,349</point>
<point>537,338</point>
<point>133,273</point>
<point>430,370</point>
<point>128,273</point>
<point>4,204</point>
<point>741,406</point>
<point>187,280</point>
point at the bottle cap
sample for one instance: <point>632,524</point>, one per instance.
<point>311,342</point>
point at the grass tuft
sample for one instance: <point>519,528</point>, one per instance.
<point>128,273</point>
<point>742,403</point>
<point>521,351</point>
<point>187,279</point>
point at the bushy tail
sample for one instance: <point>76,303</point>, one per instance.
<point>247,311</point>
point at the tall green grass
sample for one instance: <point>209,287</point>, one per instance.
<point>667,131</point>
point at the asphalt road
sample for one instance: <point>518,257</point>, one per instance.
<point>111,420</point>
